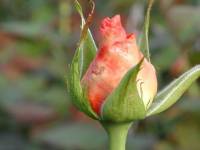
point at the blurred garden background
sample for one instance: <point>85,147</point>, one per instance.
<point>37,42</point>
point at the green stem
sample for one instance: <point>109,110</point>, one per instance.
<point>117,133</point>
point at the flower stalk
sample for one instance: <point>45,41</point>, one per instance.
<point>117,133</point>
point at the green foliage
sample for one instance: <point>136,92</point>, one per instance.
<point>186,28</point>
<point>74,135</point>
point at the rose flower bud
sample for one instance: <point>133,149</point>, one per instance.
<point>118,53</point>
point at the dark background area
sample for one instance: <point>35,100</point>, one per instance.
<point>37,42</point>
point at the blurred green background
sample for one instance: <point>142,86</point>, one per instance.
<point>37,42</point>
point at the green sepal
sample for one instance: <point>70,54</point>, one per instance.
<point>171,93</point>
<point>124,103</point>
<point>89,48</point>
<point>75,89</point>
<point>144,37</point>
<point>83,56</point>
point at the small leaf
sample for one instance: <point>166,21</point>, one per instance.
<point>170,94</point>
<point>144,39</point>
<point>124,103</point>
<point>89,49</point>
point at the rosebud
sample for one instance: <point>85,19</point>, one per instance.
<point>118,53</point>
<point>117,84</point>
